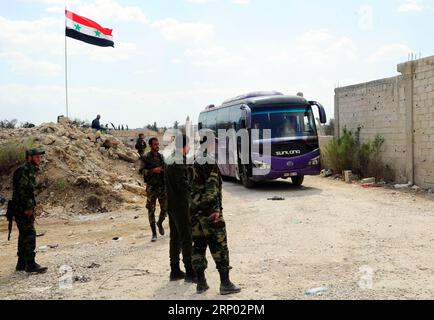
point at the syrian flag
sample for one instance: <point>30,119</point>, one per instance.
<point>86,30</point>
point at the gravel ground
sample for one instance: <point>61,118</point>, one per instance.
<point>358,243</point>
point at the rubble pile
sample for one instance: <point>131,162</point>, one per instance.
<point>83,171</point>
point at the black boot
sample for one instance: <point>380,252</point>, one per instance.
<point>176,274</point>
<point>33,267</point>
<point>202,285</point>
<point>21,264</point>
<point>190,275</point>
<point>160,226</point>
<point>154,233</point>
<point>226,286</point>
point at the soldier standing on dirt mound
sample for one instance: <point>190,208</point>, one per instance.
<point>153,171</point>
<point>24,204</point>
<point>141,145</point>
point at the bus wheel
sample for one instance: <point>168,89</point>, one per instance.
<point>245,179</point>
<point>297,181</point>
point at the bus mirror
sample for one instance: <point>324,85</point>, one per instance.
<point>200,126</point>
<point>243,123</point>
<point>322,113</point>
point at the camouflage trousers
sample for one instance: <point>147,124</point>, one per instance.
<point>26,238</point>
<point>213,235</point>
<point>155,193</point>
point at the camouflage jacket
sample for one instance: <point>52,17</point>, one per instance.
<point>206,189</point>
<point>151,161</point>
<point>24,182</point>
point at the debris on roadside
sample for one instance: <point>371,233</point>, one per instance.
<point>40,234</point>
<point>315,291</point>
<point>81,279</point>
<point>43,248</point>
<point>275,198</point>
<point>117,239</point>
<point>93,265</point>
<point>53,246</point>
<point>326,173</point>
<point>368,180</point>
<point>371,185</point>
<point>403,186</point>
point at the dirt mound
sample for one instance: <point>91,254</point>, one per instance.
<point>83,171</point>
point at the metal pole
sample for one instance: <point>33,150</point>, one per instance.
<point>66,71</point>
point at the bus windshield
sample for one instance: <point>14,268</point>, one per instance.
<point>285,122</point>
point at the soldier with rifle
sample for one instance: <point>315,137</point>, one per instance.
<point>22,209</point>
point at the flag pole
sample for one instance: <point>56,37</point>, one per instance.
<point>66,71</point>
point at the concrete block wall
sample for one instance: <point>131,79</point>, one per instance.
<point>423,119</point>
<point>401,110</point>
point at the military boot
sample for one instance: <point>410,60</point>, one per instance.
<point>33,267</point>
<point>21,264</point>
<point>160,226</point>
<point>190,275</point>
<point>226,286</point>
<point>154,233</point>
<point>176,274</point>
<point>202,285</point>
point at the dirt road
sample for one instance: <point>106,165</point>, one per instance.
<point>358,243</point>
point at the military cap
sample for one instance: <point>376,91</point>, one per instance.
<point>34,152</point>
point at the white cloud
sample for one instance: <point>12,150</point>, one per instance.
<point>174,30</point>
<point>390,52</point>
<point>31,36</point>
<point>410,6</point>
<point>111,10</point>
<point>216,57</point>
<point>28,39</point>
<point>319,47</point>
<point>23,65</point>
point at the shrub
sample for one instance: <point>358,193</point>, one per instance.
<point>81,123</point>
<point>12,153</point>
<point>8,124</point>
<point>59,185</point>
<point>348,153</point>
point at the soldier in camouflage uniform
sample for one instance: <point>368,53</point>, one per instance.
<point>208,224</point>
<point>153,171</point>
<point>24,211</point>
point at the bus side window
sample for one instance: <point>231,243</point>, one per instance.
<point>211,120</point>
<point>235,117</point>
<point>223,119</point>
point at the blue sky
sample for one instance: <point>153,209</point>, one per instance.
<point>174,57</point>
